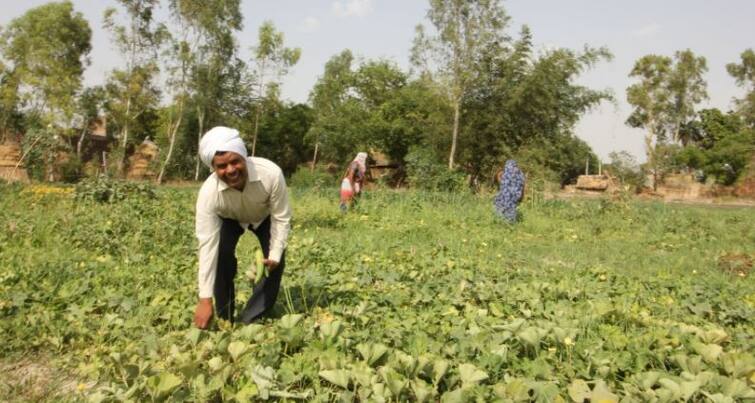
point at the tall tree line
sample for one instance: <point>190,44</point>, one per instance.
<point>475,94</point>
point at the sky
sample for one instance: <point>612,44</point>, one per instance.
<point>719,31</point>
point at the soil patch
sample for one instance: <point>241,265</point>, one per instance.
<point>34,379</point>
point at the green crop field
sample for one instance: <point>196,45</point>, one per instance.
<point>412,296</point>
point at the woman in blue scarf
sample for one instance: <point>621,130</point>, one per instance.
<point>510,192</point>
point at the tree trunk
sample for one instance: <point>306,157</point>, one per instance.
<point>174,131</point>
<point>455,134</point>
<point>200,121</point>
<point>259,105</point>
<point>651,159</point>
<point>314,157</point>
<point>80,143</point>
<point>122,162</point>
<point>256,128</point>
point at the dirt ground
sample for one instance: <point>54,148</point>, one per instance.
<point>35,379</point>
<point>723,202</point>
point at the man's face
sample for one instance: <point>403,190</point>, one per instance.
<point>231,169</point>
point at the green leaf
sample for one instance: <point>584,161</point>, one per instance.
<point>579,391</point>
<point>393,380</point>
<point>372,353</point>
<point>687,389</point>
<point>264,378</point>
<point>709,352</point>
<point>215,363</point>
<point>249,332</point>
<point>247,393</point>
<point>719,398</point>
<point>236,349</point>
<point>422,390</point>
<point>193,336</point>
<point>715,336</point>
<point>455,396</point>
<point>440,367</point>
<point>530,336</point>
<point>290,321</point>
<point>515,390</point>
<point>167,382</point>
<point>330,331</point>
<point>514,325</point>
<point>471,375</point>
<point>601,394</point>
<point>338,377</point>
<point>738,389</point>
<point>738,364</point>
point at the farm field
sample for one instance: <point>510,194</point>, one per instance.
<point>412,296</point>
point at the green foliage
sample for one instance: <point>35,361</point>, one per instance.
<point>625,168</point>
<point>665,98</point>
<point>102,189</point>
<point>285,127</point>
<point>584,299</point>
<point>47,49</point>
<point>744,74</point>
<point>305,178</point>
<point>720,146</point>
<point>529,105</point>
<point>465,33</point>
<point>426,173</point>
<point>560,160</point>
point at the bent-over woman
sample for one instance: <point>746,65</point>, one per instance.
<point>510,192</point>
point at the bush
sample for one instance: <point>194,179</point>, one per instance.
<point>304,177</point>
<point>626,169</point>
<point>102,189</point>
<point>424,172</point>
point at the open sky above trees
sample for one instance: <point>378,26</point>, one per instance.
<point>385,28</point>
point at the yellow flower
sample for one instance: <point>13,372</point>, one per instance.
<point>568,341</point>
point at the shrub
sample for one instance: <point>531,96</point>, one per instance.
<point>304,177</point>
<point>102,189</point>
<point>424,172</point>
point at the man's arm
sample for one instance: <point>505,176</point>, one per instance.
<point>208,234</point>
<point>280,220</point>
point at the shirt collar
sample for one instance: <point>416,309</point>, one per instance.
<point>251,171</point>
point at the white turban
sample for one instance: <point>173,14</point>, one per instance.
<point>220,139</point>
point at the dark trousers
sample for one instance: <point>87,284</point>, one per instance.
<point>265,292</point>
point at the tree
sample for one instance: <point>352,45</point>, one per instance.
<point>522,100</point>
<point>47,49</point>
<point>328,97</point>
<point>744,74</point>
<point>665,98</point>
<point>10,117</point>
<point>133,90</point>
<point>687,88</point>
<point>272,61</point>
<point>89,105</point>
<point>209,27</point>
<point>371,105</point>
<point>465,30</point>
<point>723,145</point>
<point>286,126</point>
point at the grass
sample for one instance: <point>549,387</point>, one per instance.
<point>601,291</point>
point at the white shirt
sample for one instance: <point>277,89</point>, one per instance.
<point>264,195</point>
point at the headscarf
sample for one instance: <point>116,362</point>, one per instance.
<point>220,139</point>
<point>361,160</point>
<point>510,191</point>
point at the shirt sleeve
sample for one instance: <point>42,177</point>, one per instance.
<point>280,218</point>
<point>208,225</point>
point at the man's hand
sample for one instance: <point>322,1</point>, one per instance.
<point>271,264</point>
<point>203,313</point>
